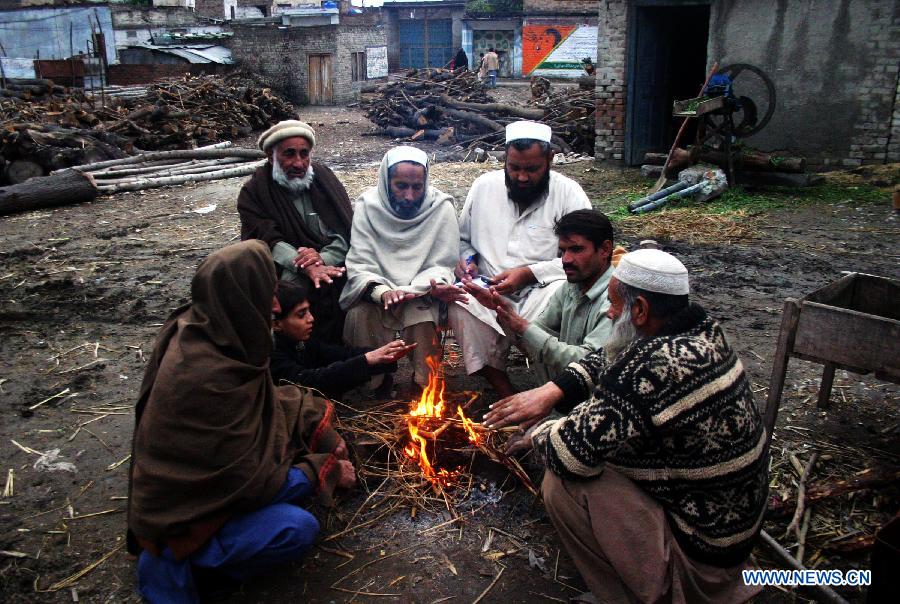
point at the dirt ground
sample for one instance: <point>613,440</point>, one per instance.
<point>84,289</point>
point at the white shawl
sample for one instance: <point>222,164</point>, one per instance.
<point>401,254</point>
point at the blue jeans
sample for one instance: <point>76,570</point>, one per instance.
<point>278,533</point>
<point>492,78</point>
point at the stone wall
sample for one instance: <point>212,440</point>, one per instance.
<point>611,88</point>
<point>281,56</point>
<point>559,7</point>
<point>834,64</point>
<point>127,75</point>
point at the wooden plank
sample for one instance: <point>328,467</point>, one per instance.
<point>825,386</point>
<point>327,84</point>
<point>848,337</point>
<point>876,295</point>
<point>789,317</point>
<point>836,293</point>
<point>314,85</point>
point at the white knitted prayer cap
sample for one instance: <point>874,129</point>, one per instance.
<point>406,153</point>
<point>653,271</point>
<point>286,129</point>
<point>525,129</point>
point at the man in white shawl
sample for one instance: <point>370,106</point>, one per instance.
<point>404,244</point>
<point>507,242</point>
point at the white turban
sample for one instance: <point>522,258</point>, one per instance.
<point>653,271</point>
<point>406,153</point>
<point>528,130</point>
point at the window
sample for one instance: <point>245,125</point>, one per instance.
<point>130,34</point>
<point>358,66</point>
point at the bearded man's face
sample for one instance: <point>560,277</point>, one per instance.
<point>527,174</point>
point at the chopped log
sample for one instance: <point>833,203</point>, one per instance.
<point>522,112</point>
<point>20,170</point>
<point>178,154</point>
<point>153,183</point>
<point>63,188</point>
<point>868,479</point>
<point>475,118</point>
<point>749,159</point>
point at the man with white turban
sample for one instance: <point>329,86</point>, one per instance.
<point>507,239</point>
<point>657,481</point>
<point>301,210</point>
<point>405,240</point>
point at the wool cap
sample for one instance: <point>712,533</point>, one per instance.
<point>653,271</point>
<point>406,153</point>
<point>531,130</point>
<point>286,129</point>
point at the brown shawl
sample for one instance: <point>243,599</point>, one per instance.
<point>268,213</point>
<point>213,436</point>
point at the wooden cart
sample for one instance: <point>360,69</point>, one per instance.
<point>851,324</point>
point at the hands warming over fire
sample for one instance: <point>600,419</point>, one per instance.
<point>524,408</point>
<point>511,281</point>
<point>389,353</point>
<point>448,293</point>
<point>395,297</point>
<point>509,319</point>
<point>346,471</point>
<point>322,273</point>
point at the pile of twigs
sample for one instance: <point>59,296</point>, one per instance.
<point>379,436</point>
<point>452,107</point>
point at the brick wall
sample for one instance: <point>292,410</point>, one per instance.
<point>211,8</point>
<point>282,55</point>
<point>876,133</point>
<point>61,71</point>
<point>127,75</point>
<point>611,50</point>
<point>559,7</point>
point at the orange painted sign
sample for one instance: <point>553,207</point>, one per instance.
<point>538,41</point>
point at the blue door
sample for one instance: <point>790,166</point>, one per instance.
<point>422,46</point>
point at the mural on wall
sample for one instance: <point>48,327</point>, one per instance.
<point>503,41</point>
<point>376,62</point>
<point>557,50</point>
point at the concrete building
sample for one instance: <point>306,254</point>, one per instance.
<point>136,25</point>
<point>426,33</point>
<point>318,65</point>
<point>834,65</point>
<point>556,36</point>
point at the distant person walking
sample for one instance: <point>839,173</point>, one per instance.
<point>482,70</point>
<point>461,60</point>
<point>492,65</point>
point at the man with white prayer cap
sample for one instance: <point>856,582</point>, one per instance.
<point>301,210</point>
<point>657,481</point>
<point>507,242</point>
<point>405,241</point>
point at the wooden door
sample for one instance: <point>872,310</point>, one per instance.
<point>321,91</point>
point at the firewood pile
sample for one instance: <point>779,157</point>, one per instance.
<point>452,107</point>
<point>52,133</point>
<point>23,90</point>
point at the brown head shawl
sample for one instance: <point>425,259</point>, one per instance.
<point>213,436</point>
<point>268,213</point>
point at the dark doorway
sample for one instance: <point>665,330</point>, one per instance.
<point>666,62</point>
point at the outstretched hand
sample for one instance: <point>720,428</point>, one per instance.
<point>307,256</point>
<point>321,274</point>
<point>394,297</point>
<point>510,281</point>
<point>524,408</point>
<point>482,295</point>
<point>389,353</point>
<point>447,293</point>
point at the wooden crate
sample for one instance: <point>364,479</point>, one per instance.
<point>852,324</point>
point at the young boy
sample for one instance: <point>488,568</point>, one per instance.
<point>330,368</point>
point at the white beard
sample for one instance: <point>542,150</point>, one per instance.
<point>293,185</point>
<point>623,334</point>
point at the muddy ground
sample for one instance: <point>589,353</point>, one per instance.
<point>83,290</point>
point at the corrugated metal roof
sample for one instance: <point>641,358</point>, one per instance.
<point>193,53</point>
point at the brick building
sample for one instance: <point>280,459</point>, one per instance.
<point>315,65</point>
<point>424,33</point>
<point>834,65</point>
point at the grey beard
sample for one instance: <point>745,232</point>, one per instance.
<point>293,185</point>
<point>623,334</point>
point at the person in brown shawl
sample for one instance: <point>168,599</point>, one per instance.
<point>221,456</point>
<point>300,208</point>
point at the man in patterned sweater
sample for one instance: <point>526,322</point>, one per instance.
<point>657,483</point>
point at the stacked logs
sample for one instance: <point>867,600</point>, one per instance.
<point>452,107</point>
<point>185,113</point>
<point>32,89</point>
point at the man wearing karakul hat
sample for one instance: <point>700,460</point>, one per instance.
<point>405,241</point>
<point>507,242</point>
<point>301,210</point>
<point>657,481</point>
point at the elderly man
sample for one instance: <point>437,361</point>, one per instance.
<point>302,211</point>
<point>657,483</point>
<point>400,264</point>
<point>506,237</point>
<point>575,322</point>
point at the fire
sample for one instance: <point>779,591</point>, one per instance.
<point>431,405</point>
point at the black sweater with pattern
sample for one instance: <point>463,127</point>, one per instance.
<point>675,414</point>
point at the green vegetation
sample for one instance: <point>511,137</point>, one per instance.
<point>493,7</point>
